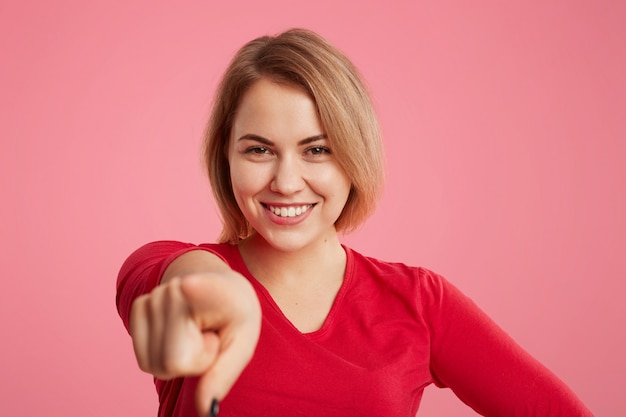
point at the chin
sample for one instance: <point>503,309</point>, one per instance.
<point>288,241</point>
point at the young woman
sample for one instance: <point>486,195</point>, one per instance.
<point>279,318</point>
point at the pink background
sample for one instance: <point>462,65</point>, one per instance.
<point>506,145</point>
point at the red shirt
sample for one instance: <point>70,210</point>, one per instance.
<point>392,330</point>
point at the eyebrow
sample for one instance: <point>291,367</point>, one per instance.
<point>268,142</point>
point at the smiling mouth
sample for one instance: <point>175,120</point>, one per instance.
<point>291,211</point>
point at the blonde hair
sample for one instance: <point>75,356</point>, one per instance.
<point>304,59</point>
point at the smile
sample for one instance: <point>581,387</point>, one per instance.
<point>291,211</point>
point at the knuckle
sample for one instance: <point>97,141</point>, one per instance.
<point>143,365</point>
<point>174,366</point>
<point>170,366</point>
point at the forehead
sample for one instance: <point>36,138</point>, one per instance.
<point>276,110</point>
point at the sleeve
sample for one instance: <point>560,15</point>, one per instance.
<point>483,365</point>
<point>142,271</point>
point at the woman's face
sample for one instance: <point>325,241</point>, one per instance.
<point>284,175</point>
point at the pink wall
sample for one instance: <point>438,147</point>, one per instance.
<point>506,145</point>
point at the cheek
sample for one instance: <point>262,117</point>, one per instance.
<point>245,181</point>
<point>334,182</point>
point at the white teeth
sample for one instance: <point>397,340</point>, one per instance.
<point>289,211</point>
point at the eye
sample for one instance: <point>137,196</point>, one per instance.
<point>257,150</point>
<point>258,153</point>
<point>318,150</point>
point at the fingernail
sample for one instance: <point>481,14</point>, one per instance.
<point>215,408</point>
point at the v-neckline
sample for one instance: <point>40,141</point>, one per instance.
<point>336,305</point>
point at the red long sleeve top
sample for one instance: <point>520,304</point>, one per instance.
<point>392,330</point>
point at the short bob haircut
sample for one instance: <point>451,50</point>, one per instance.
<point>303,59</point>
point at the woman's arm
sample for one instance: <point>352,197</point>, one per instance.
<point>201,318</point>
<point>484,366</point>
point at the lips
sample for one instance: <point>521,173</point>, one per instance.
<point>289,211</point>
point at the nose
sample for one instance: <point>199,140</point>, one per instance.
<point>288,176</point>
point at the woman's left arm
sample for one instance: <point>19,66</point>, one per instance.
<point>483,365</point>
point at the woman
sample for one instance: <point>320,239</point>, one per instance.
<point>278,318</point>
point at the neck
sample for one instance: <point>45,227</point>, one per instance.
<point>271,266</point>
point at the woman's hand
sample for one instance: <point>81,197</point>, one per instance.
<point>201,323</point>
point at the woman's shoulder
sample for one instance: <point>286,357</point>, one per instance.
<point>168,247</point>
<point>386,267</point>
<point>165,251</point>
<point>395,273</point>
